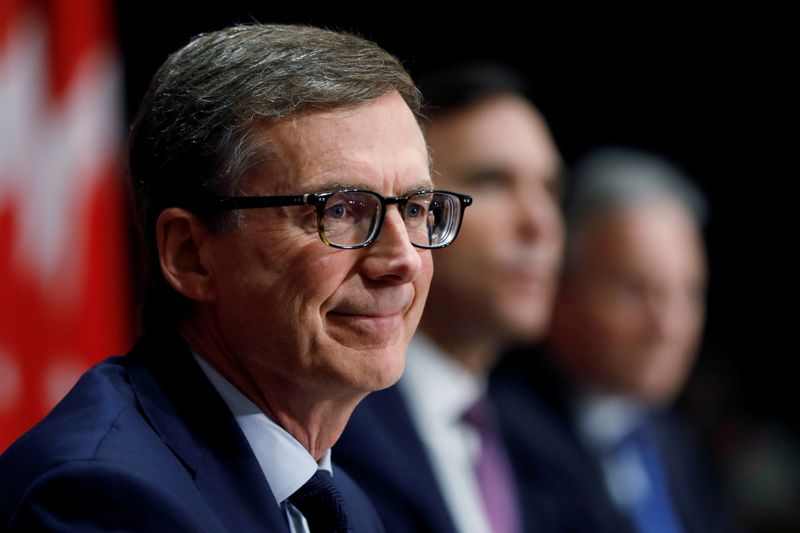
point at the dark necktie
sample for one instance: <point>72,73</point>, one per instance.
<point>322,504</point>
<point>493,470</point>
<point>651,508</point>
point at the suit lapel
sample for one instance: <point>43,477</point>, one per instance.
<point>193,421</point>
<point>555,473</point>
<point>412,474</point>
<point>689,482</point>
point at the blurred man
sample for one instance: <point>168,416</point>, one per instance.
<point>285,196</point>
<point>586,428</point>
<point>428,451</point>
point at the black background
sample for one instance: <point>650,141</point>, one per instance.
<point>711,92</point>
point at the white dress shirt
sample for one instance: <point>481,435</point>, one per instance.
<point>603,421</point>
<point>286,464</point>
<point>438,391</point>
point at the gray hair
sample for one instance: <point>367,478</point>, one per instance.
<point>196,131</point>
<point>615,178</point>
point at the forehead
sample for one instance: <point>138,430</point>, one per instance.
<point>651,238</point>
<point>378,146</point>
<point>503,131</point>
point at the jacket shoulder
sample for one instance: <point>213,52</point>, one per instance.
<point>98,495</point>
<point>85,430</point>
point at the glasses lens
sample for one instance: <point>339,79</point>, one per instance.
<point>432,218</point>
<point>349,218</point>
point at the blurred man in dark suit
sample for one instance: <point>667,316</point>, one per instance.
<point>285,196</point>
<point>586,420</point>
<point>428,451</point>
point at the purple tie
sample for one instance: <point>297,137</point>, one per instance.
<point>493,470</point>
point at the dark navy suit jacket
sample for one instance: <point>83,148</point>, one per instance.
<point>561,483</point>
<point>381,449</point>
<point>145,443</point>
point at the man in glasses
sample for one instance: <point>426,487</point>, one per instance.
<point>287,211</point>
<point>428,451</point>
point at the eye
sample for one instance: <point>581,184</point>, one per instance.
<point>414,210</point>
<point>336,212</point>
<point>350,207</point>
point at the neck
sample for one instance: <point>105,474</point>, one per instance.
<point>313,413</point>
<point>473,350</point>
<point>315,420</point>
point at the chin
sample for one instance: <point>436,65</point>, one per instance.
<point>385,381</point>
<point>380,369</point>
<point>525,323</point>
<point>655,393</point>
<point>660,384</point>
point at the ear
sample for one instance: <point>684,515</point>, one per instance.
<point>182,250</point>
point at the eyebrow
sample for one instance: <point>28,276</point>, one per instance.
<point>483,173</point>
<point>496,173</point>
<point>337,185</point>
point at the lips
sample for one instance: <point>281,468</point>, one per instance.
<point>381,305</point>
<point>366,330</point>
<point>526,275</point>
<point>365,313</point>
<point>374,320</point>
<point>528,270</point>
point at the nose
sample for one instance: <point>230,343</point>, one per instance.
<point>392,257</point>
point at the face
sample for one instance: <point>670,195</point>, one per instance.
<point>630,313</point>
<point>498,278</point>
<point>292,310</point>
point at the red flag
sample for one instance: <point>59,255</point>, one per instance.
<point>63,279</point>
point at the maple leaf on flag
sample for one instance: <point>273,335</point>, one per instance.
<point>63,278</point>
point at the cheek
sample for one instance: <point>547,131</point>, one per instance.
<point>423,282</point>
<point>620,329</point>
<point>473,254</point>
<point>692,326</point>
<point>485,227</point>
<point>618,320</point>
<point>610,337</point>
<point>482,238</point>
<point>456,270</point>
<point>454,262</point>
<point>322,277</point>
<point>284,283</point>
<point>427,268</point>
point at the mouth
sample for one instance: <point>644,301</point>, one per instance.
<point>366,328</point>
<point>385,306</point>
<point>533,271</point>
<point>525,278</point>
<point>377,317</point>
<point>374,318</point>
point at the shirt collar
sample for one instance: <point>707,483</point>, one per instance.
<point>603,420</point>
<point>438,389</point>
<point>286,464</point>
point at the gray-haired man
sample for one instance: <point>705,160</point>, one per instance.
<point>284,193</point>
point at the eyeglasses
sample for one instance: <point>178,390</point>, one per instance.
<point>353,218</point>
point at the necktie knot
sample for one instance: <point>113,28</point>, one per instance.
<point>322,504</point>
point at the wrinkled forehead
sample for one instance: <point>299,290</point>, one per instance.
<point>377,146</point>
